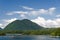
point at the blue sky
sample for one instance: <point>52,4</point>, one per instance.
<point>40,11</point>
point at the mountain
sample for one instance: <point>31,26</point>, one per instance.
<point>24,24</point>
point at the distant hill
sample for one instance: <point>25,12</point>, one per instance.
<point>0,28</point>
<point>24,24</point>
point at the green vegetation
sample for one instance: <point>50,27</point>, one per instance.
<point>53,32</point>
<point>56,32</point>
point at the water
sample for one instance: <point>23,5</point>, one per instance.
<point>25,37</point>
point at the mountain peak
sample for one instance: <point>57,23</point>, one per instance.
<point>24,24</point>
<point>25,20</point>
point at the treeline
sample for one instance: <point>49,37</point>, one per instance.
<point>51,31</point>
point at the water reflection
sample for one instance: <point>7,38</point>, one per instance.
<point>25,37</point>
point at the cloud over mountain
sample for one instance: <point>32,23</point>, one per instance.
<point>49,23</point>
<point>31,12</point>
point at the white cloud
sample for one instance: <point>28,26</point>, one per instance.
<point>40,21</point>
<point>6,22</point>
<point>58,15</point>
<point>58,20</point>
<point>27,8</point>
<point>16,12</point>
<point>1,25</point>
<point>9,14</point>
<point>51,23</point>
<point>47,23</point>
<point>42,11</point>
<point>10,20</point>
<point>20,12</point>
<point>31,12</point>
<point>51,10</point>
<point>38,12</point>
<point>23,16</point>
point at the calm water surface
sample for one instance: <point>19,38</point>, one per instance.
<point>33,37</point>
